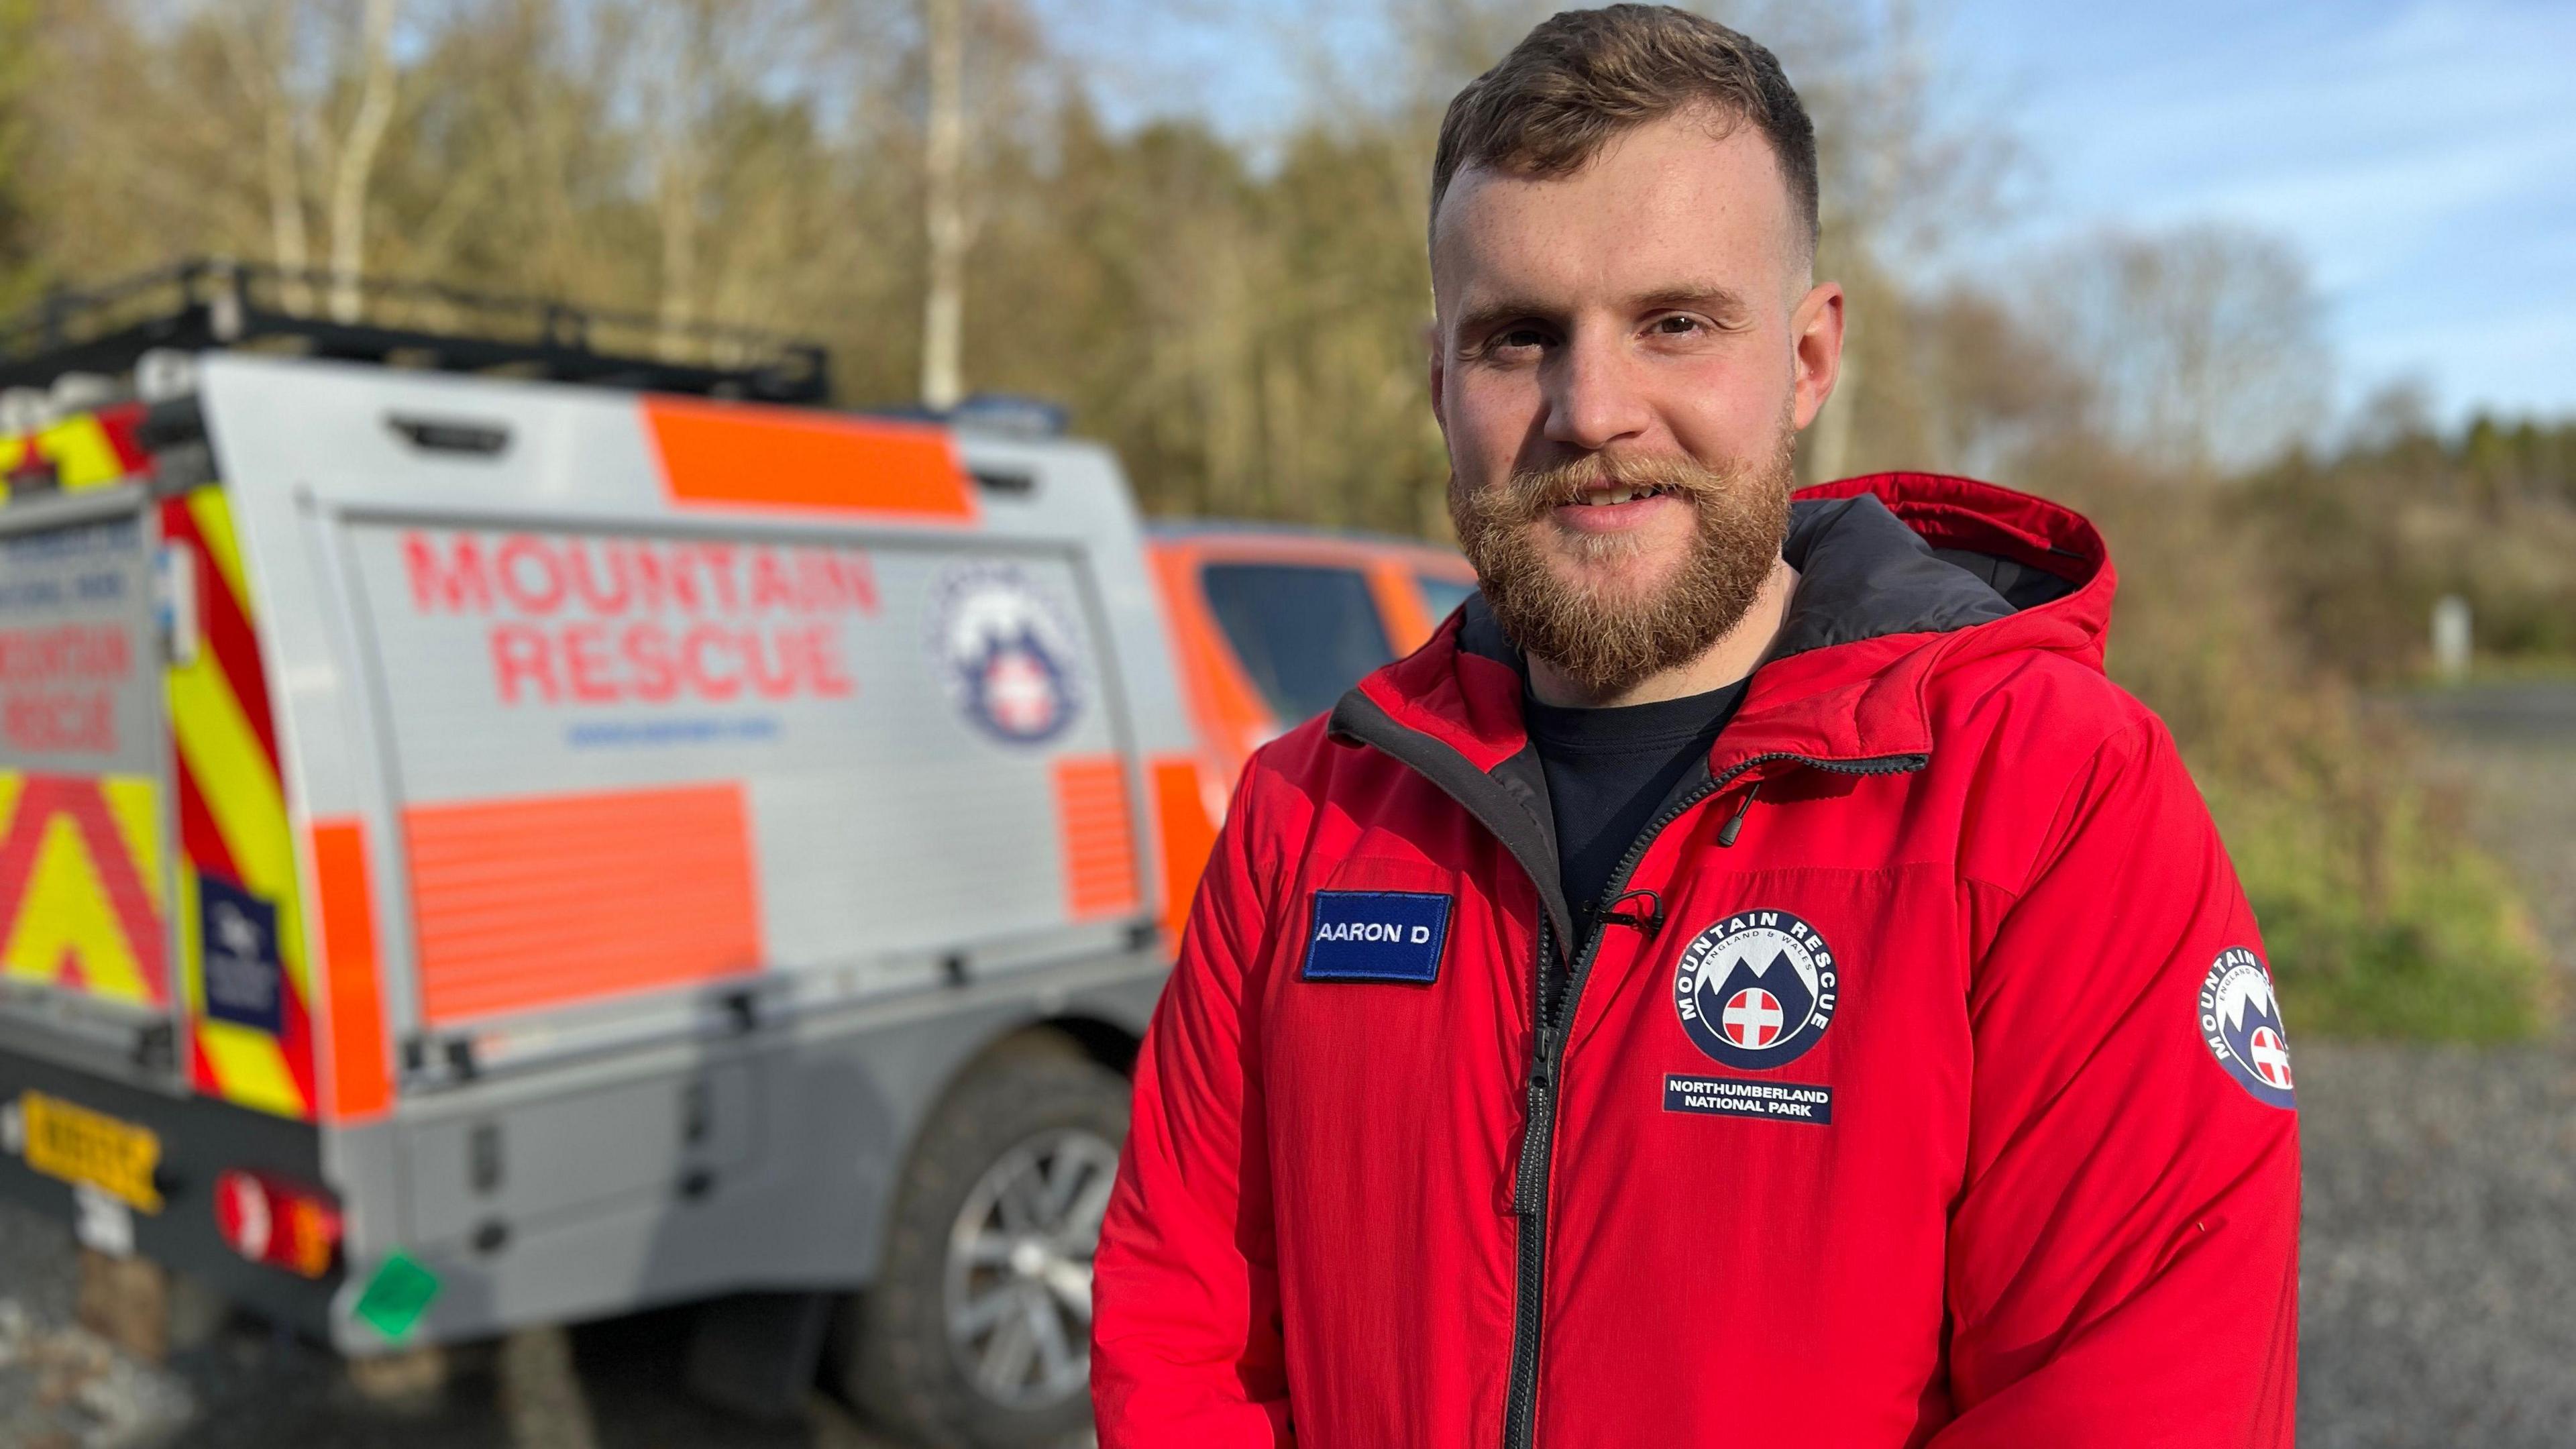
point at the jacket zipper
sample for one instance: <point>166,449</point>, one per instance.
<point>1547,1062</point>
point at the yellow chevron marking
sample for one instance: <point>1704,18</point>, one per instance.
<point>65,912</point>
<point>232,773</point>
<point>136,806</point>
<point>82,454</point>
<point>251,1066</point>
<point>80,447</point>
<point>221,752</point>
<point>215,521</point>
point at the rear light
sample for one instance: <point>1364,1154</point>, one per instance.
<point>269,1219</point>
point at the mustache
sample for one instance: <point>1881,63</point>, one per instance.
<point>1533,491</point>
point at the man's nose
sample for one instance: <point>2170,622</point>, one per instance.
<point>1592,401</point>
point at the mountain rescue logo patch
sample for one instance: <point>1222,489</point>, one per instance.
<point>1757,989</point>
<point>2240,1022</point>
<point>1006,654</point>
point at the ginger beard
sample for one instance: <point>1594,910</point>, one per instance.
<point>1593,604</point>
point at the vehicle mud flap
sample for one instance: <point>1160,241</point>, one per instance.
<point>755,1354</point>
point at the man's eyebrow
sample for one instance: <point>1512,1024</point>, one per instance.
<point>1487,315</point>
<point>1721,301</point>
<point>1696,296</point>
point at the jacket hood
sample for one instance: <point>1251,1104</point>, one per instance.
<point>1901,575</point>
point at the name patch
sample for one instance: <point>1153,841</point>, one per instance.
<point>1729,1097</point>
<point>1376,936</point>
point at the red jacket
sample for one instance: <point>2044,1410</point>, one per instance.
<point>1929,1088</point>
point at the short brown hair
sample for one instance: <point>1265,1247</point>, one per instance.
<point>1582,77</point>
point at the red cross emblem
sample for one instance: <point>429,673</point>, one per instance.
<point>1751,1018</point>
<point>2271,1057</point>
<point>1019,693</point>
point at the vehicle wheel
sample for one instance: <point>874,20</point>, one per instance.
<point>978,1331</point>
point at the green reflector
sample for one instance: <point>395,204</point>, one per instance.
<point>396,1296</point>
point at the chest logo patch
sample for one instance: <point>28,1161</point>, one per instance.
<point>2240,1022</point>
<point>1376,936</point>
<point>1756,989</point>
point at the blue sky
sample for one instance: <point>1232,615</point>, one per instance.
<point>2421,154</point>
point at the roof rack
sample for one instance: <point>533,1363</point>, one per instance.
<point>211,303</point>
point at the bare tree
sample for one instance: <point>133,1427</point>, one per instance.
<point>943,205</point>
<point>2202,344</point>
<point>259,40</point>
<point>357,160</point>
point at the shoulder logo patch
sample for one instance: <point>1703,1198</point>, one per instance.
<point>1756,989</point>
<point>2240,1022</point>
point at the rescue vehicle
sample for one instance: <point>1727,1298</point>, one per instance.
<point>499,827</point>
<point>1271,624</point>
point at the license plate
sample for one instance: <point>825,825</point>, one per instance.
<point>72,1142</point>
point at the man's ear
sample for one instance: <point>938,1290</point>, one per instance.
<point>1816,333</point>
<point>1439,370</point>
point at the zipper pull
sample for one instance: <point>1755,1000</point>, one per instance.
<point>1646,925</point>
<point>1526,1190</point>
<point>1734,825</point>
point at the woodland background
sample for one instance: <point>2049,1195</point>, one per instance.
<point>934,189</point>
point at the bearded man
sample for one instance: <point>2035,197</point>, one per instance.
<point>1749,979</point>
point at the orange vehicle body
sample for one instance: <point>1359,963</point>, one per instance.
<point>1410,586</point>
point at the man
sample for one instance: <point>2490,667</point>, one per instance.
<point>1749,979</point>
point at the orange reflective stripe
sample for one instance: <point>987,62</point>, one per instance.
<point>1098,835</point>
<point>735,454</point>
<point>554,899</point>
<point>359,1069</point>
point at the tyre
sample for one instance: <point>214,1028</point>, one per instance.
<point>978,1330</point>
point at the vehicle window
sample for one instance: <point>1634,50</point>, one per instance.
<point>1304,634</point>
<point>1442,596</point>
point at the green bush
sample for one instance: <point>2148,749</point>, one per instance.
<point>2381,917</point>
<point>2403,929</point>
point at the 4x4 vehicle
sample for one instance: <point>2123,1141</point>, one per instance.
<point>1273,624</point>
<point>498,828</point>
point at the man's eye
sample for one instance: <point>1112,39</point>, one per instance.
<point>1520,337</point>
<point>1676,326</point>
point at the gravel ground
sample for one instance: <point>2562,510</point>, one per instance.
<point>2512,751</point>
<point>2437,1297</point>
<point>2437,1294</point>
<point>611,1385</point>
<point>2437,1304</point>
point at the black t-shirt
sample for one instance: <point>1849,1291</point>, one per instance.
<point>1610,770</point>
